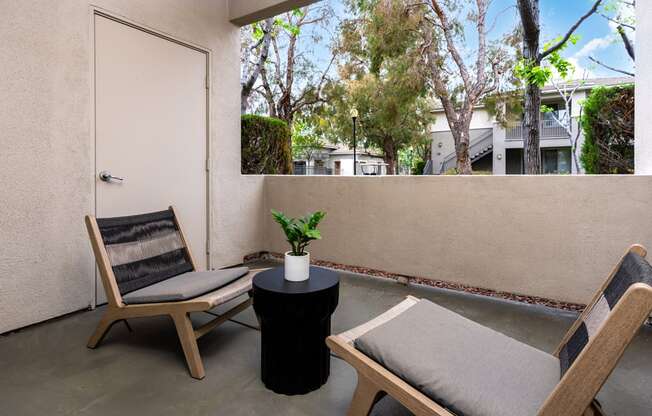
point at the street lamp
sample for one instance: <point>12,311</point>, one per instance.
<point>354,116</point>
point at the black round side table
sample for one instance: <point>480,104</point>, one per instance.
<point>295,319</point>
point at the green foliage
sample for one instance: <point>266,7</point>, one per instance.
<point>265,146</point>
<point>412,158</point>
<point>505,107</point>
<point>418,166</point>
<point>381,77</point>
<point>299,231</point>
<point>534,73</point>
<point>305,142</point>
<point>608,124</point>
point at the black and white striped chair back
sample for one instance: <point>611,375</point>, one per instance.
<point>144,249</point>
<point>633,269</point>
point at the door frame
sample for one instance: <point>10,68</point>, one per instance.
<point>98,11</point>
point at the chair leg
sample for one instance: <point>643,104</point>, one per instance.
<point>189,343</point>
<point>103,327</point>
<point>594,410</point>
<point>365,396</point>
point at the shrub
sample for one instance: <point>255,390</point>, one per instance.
<point>265,146</point>
<point>608,124</point>
<point>417,168</point>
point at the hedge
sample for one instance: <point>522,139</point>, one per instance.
<point>265,146</point>
<point>608,124</point>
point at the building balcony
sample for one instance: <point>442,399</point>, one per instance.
<point>550,129</point>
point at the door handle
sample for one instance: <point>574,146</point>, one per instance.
<point>107,177</point>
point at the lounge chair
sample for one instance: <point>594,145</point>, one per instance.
<point>436,362</point>
<point>147,270</point>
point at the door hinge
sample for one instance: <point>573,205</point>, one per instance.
<point>208,165</point>
<point>208,83</point>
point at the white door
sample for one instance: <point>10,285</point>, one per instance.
<point>150,129</point>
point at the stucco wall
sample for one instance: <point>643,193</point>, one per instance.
<point>550,236</point>
<point>643,144</point>
<point>46,162</point>
<point>481,120</point>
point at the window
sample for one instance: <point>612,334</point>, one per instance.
<point>556,161</point>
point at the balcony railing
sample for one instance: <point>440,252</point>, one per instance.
<point>550,129</point>
<point>312,170</point>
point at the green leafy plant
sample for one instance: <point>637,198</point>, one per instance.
<point>265,145</point>
<point>608,125</point>
<point>299,231</point>
<point>536,74</point>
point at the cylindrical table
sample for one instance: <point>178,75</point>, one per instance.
<point>295,319</point>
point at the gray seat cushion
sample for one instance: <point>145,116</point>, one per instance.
<point>466,367</point>
<point>185,286</point>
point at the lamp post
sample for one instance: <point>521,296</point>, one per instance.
<point>354,116</point>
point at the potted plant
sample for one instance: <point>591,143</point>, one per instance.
<point>299,232</point>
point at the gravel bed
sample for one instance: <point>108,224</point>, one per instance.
<point>533,300</point>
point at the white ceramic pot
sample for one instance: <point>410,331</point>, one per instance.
<point>297,268</point>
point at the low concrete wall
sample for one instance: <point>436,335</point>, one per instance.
<point>549,236</point>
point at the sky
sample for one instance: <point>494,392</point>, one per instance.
<point>598,37</point>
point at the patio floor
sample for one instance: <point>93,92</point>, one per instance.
<point>47,369</point>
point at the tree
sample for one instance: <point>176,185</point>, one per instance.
<point>288,84</point>
<point>621,13</point>
<point>383,79</point>
<point>256,40</point>
<point>305,143</point>
<point>459,82</point>
<point>530,69</point>
<point>474,86</point>
<point>566,89</point>
<point>608,125</point>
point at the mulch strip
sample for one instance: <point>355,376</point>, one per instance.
<point>532,300</point>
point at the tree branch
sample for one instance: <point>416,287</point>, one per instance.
<point>618,22</point>
<point>570,32</point>
<point>610,67</point>
<point>481,60</point>
<point>628,45</point>
<point>450,43</point>
<point>262,58</point>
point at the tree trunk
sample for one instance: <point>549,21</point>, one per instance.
<point>248,85</point>
<point>531,124</point>
<point>529,11</point>
<point>462,138</point>
<point>389,155</point>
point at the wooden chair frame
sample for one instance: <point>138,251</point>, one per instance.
<point>117,310</point>
<point>574,394</point>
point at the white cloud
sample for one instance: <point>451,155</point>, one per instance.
<point>592,46</point>
<point>580,71</point>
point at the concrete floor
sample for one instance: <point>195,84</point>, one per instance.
<point>47,370</point>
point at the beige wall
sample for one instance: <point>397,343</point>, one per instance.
<point>481,120</point>
<point>550,236</point>
<point>643,142</point>
<point>46,162</point>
